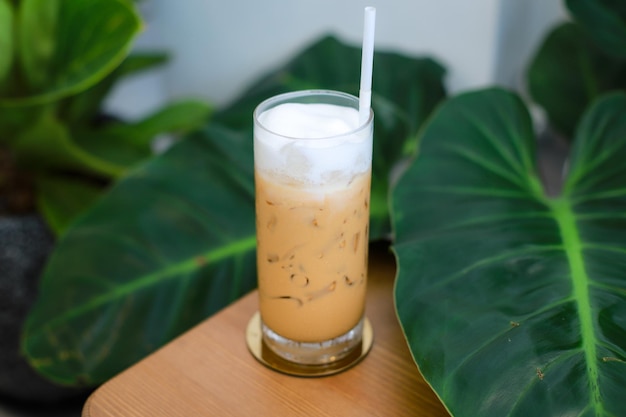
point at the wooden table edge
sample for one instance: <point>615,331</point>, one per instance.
<point>382,272</point>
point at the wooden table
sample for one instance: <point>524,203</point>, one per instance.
<point>208,371</point>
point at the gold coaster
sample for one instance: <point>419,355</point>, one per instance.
<point>268,358</point>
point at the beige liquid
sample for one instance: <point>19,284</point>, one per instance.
<point>312,257</point>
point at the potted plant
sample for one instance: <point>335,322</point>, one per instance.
<point>59,153</point>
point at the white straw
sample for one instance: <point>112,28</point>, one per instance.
<point>367,63</point>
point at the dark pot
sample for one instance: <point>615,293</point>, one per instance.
<point>25,243</point>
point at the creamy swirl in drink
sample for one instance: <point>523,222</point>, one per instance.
<point>312,180</point>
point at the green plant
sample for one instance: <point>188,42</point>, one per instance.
<point>513,303</point>
<point>579,61</point>
<point>525,314</point>
<point>58,61</point>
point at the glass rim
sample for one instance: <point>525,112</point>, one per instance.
<point>284,97</point>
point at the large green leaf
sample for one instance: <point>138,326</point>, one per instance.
<point>405,91</point>
<point>89,39</point>
<point>568,72</point>
<point>604,21</point>
<point>513,303</point>
<point>68,46</point>
<point>172,243</point>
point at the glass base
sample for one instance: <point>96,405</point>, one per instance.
<point>308,359</point>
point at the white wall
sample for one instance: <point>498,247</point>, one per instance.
<point>218,47</point>
<point>522,27</point>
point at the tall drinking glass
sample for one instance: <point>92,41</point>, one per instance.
<point>312,160</point>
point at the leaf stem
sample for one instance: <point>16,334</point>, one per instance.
<point>566,219</point>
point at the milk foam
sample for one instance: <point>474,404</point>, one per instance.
<point>312,143</point>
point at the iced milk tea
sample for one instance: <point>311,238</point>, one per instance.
<point>312,185</point>
<point>312,257</point>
